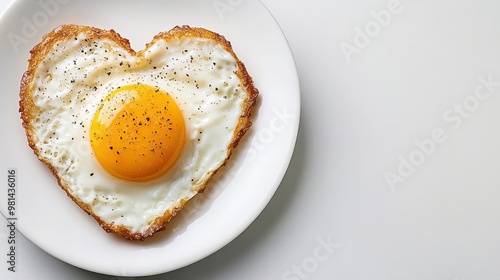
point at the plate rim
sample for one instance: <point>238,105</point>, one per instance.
<point>294,130</point>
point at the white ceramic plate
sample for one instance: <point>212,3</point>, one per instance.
<point>240,192</point>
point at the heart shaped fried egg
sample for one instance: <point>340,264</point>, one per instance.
<point>132,136</point>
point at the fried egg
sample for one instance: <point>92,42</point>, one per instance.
<point>131,137</point>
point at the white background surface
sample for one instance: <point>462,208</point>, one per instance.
<point>361,119</point>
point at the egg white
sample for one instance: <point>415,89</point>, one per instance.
<point>72,81</point>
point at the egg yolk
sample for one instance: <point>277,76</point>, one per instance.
<point>137,132</point>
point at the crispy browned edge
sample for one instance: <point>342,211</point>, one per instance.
<point>29,111</point>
